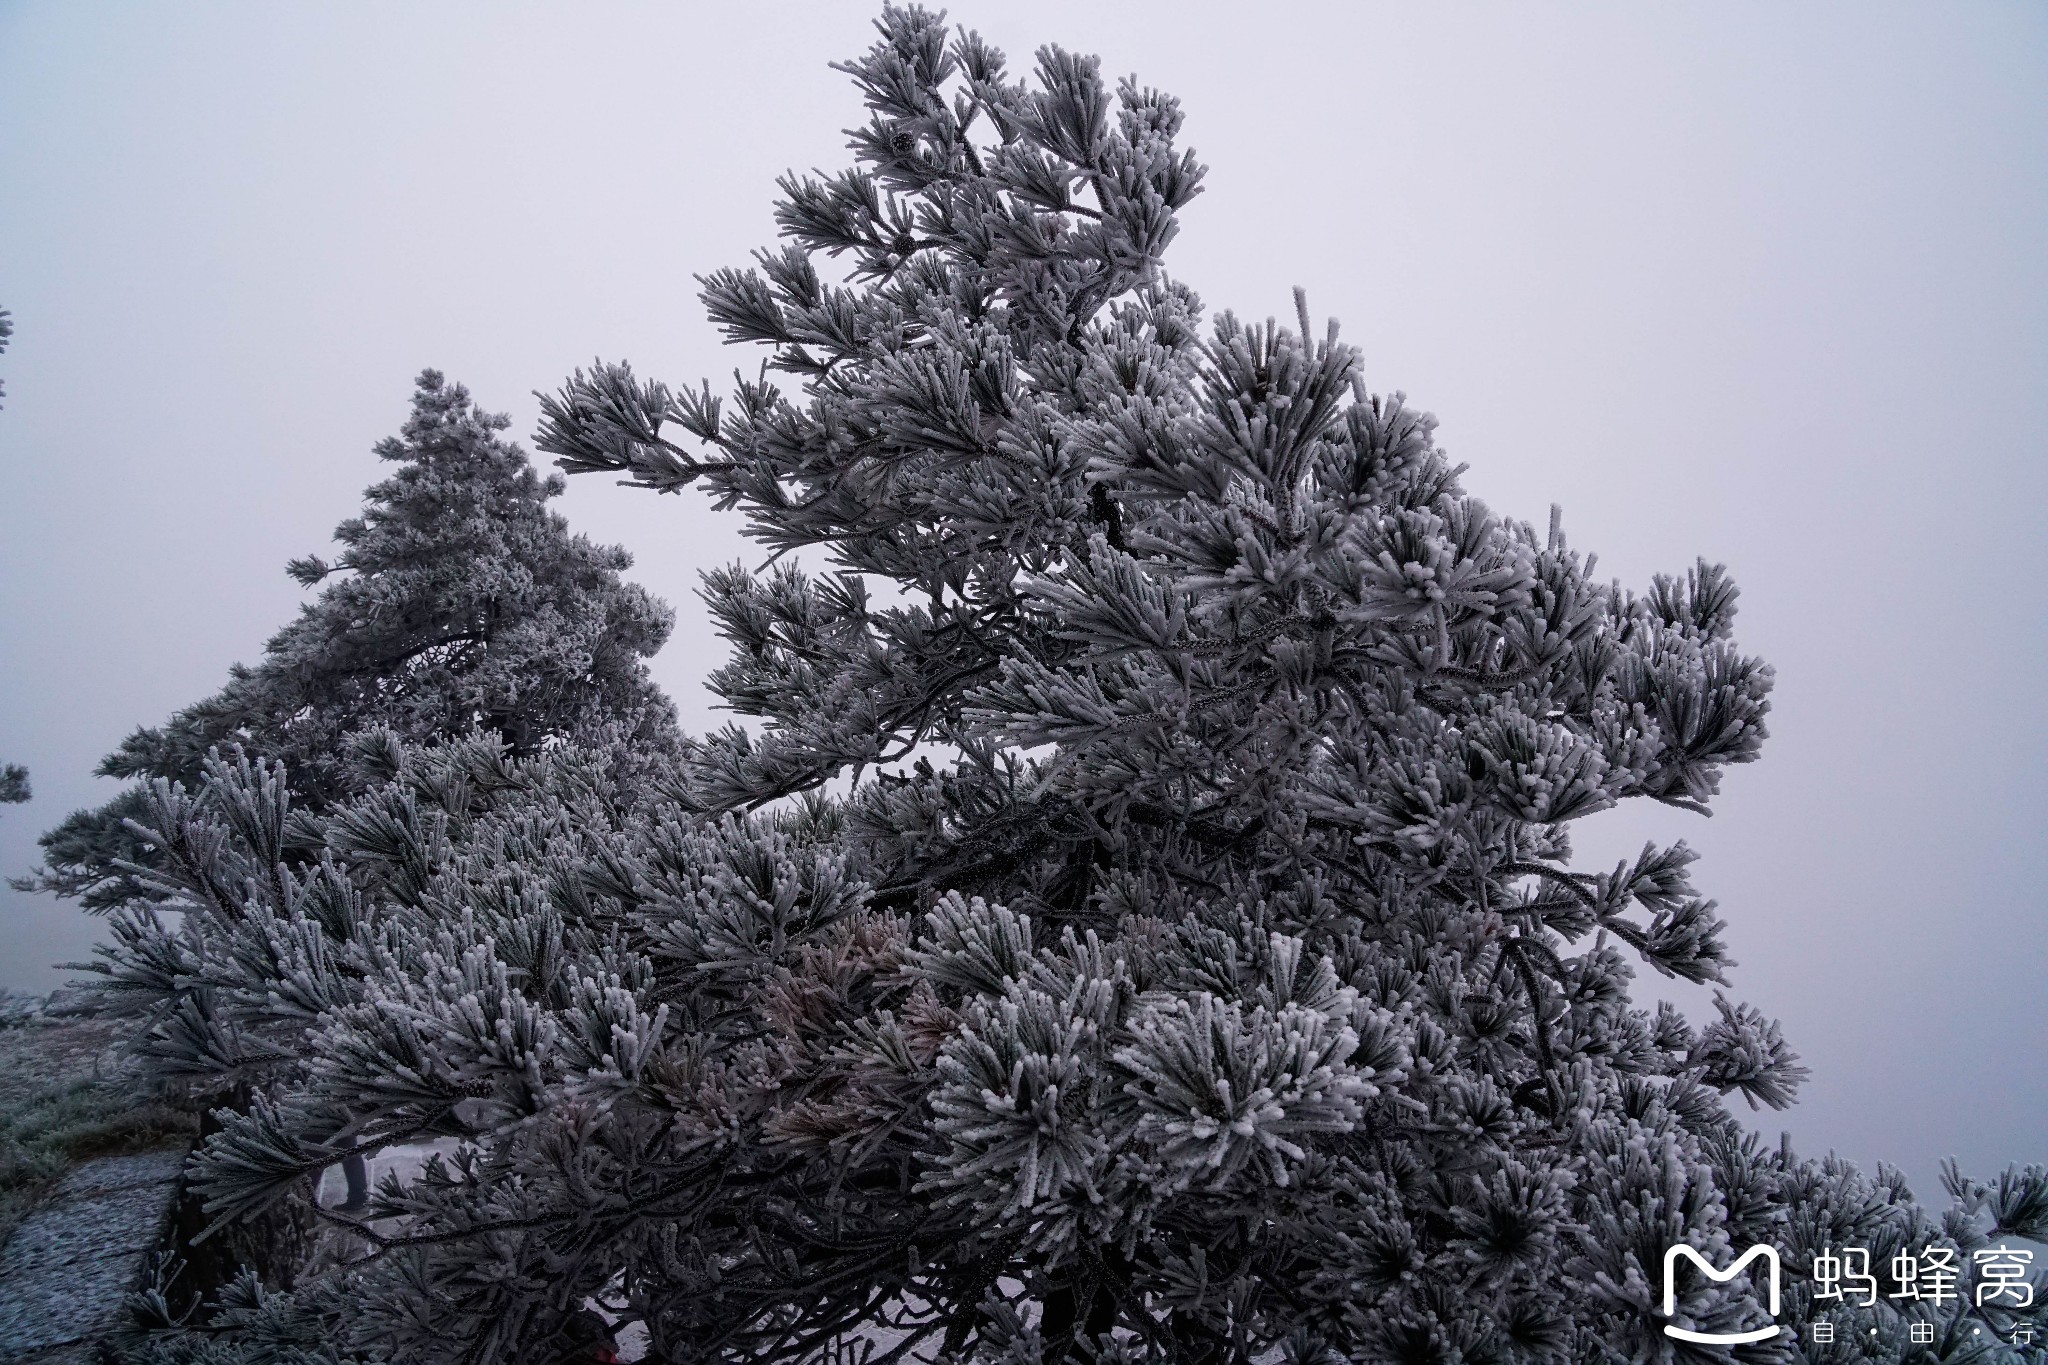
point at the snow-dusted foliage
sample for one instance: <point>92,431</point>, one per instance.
<point>1194,970</point>
<point>459,601</point>
<point>14,784</point>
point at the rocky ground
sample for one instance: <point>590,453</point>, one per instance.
<point>88,1166</point>
<point>39,1049</point>
<point>88,1174</point>
<point>68,1267</point>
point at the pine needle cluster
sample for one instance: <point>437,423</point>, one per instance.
<point>1186,963</point>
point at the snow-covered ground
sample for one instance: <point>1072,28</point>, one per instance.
<point>407,1159</point>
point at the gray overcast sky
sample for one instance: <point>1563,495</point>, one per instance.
<point>1765,283</point>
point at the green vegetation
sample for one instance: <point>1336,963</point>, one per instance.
<point>44,1134</point>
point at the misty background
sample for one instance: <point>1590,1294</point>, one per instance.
<point>1761,283</point>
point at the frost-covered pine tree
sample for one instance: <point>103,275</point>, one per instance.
<point>459,602</point>
<point>1194,969</point>
<point>14,786</point>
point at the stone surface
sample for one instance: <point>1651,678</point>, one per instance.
<point>69,1265</point>
<point>63,1355</point>
<point>38,1059</point>
<point>111,1174</point>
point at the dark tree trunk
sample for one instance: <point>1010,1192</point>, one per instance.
<point>273,1244</point>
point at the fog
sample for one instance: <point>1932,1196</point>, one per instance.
<point>1761,283</point>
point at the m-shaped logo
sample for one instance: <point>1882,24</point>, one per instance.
<point>1770,1257</point>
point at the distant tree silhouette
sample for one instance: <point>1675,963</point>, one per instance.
<point>459,603</point>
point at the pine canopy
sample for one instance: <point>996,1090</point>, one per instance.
<point>1136,919</point>
<point>459,602</point>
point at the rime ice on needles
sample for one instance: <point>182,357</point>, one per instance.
<point>1194,965</point>
<point>459,602</point>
